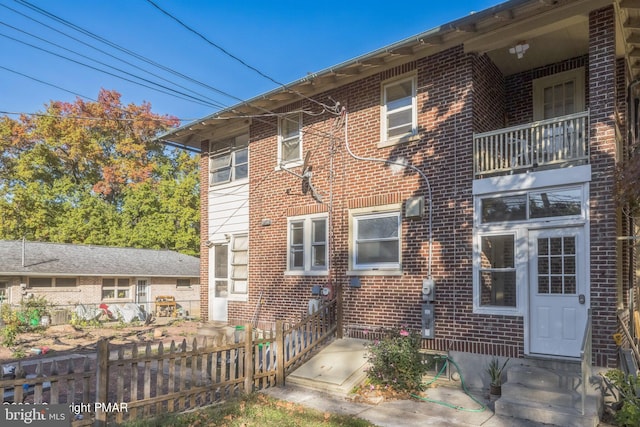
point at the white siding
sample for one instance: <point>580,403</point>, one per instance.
<point>228,211</point>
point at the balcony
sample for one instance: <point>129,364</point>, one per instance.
<point>545,144</point>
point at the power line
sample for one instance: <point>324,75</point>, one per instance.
<point>193,99</point>
<point>229,54</point>
<point>218,104</point>
<point>47,83</point>
<point>122,49</point>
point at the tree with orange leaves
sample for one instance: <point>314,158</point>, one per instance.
<point>76,172</point>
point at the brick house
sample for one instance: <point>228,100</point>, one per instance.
<point>68,275</point>
<point>477,157</point>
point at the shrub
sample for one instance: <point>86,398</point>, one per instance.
<point>625,389</point>
<point>25,318</point>
<point>395,360</point>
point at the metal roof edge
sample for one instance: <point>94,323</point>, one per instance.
<point>450,26</point>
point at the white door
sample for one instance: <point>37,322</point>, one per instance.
<point>142,294</point>
<point>218,282</point>
<point>558,291</point>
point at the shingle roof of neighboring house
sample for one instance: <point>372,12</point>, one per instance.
<point>87,260</point>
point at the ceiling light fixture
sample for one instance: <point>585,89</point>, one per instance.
<point>519,49</point>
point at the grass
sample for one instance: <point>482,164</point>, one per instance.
<point>253,410</point>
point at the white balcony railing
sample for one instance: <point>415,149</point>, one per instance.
<point>554,142</point>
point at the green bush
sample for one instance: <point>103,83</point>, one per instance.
<point>625,389</point>
<point>25,318</point>
<point>396,361</point>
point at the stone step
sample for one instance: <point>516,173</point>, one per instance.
<point>547,413</point>
<point>545,379</point>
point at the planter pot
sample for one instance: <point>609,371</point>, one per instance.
<point>495,390</point>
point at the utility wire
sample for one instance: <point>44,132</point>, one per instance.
<point>97,49</point>
<point>201,102</point>
<point>117,47</point>
<point>213,102</point>
<point>229,54</point>
<point>46,83</point>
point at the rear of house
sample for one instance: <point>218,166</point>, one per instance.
<point>460,182</point>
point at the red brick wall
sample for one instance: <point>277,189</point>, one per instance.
<point>602,87</point>
<point>456,94</point>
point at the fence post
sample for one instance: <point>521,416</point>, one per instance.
<point>248,358</point>
<point>102,380</point>
<point>280,353</point>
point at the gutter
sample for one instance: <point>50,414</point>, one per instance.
<point>419,38</point>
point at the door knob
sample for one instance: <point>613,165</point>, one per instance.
<point>581,299</point>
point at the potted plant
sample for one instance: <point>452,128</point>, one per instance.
<point>495,374</point>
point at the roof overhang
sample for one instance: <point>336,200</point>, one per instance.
<point>491,31</point>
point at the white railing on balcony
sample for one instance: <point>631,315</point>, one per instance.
<point>557,141</point>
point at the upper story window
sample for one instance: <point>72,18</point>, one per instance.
<point>399,112</point>
<point>289,139</point>
<point>308,244</point>
<point>558,95</point>
<point>375,240</point>
<point>229,160</point>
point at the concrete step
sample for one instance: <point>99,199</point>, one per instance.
<point>547,413</point>
<point>567,398</point>
<point>547,379</point>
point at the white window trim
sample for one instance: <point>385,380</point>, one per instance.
<point>293,163</point>
<point>307,270</point>
<point>412,136</point>
<point>523,184</point>
<point>577,75</point>
<point>231,295</point>
<point>372,269</point>
<point>233,149</point>
<point>521,268</point>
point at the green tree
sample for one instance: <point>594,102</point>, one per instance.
<point>89,172</point>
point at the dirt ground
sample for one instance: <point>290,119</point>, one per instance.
<point>61,339</point>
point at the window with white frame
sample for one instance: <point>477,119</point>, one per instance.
<point>289,139</point>
<point>308,244</point>
<point>501,246</point>
<point>116,288</point>
<point>376,240</point>
<point>558,94</point>
<point>229,160</point>
<point>497,270</point>
<point>399,112</point>
<point>239,260</point>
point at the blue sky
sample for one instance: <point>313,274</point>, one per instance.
<point>285,40</point>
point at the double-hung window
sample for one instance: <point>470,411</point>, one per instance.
<point>308,245</point>
<point>229,160</point>
<point>289,140</point>
<point>399,110</point>
<point>376,241</point>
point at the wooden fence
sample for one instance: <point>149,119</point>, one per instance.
<point>119,383</point>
